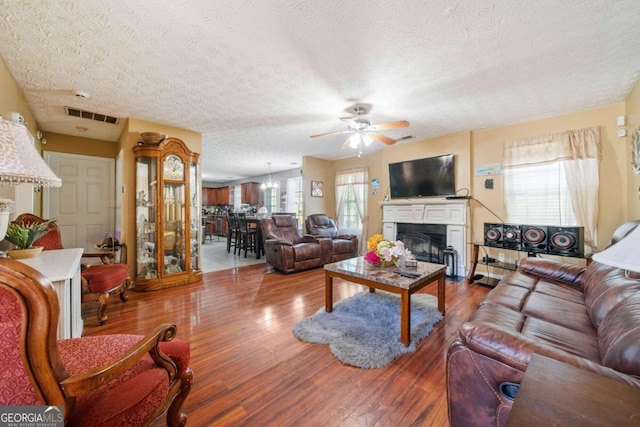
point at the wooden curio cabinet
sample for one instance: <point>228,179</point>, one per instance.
<point>168,240</point>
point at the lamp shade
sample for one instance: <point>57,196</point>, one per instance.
<point>20,162</point>
<point>625,254</point>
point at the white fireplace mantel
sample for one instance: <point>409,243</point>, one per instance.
<point>452,213</point>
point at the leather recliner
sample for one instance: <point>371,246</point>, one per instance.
<point>344,246</point>
<point>287,250</point>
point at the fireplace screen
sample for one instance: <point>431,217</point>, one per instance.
<point>426,241</point>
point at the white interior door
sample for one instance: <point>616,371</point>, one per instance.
<point>84,207</point>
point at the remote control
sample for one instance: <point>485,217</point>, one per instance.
<point>408,274</point>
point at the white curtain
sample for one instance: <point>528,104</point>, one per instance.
<point>294,198</point>
<point>356,179</point>
<point>578,153</point>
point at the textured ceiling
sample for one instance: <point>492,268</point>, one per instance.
<point>258,77</point>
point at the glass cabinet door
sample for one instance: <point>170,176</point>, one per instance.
<point>146,214</point>
<point>175,256</point>
<point>195,188</point>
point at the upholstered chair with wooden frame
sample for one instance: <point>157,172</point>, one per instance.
<point>99,281</point>
<point>108,380</point>
<point>344,245</point>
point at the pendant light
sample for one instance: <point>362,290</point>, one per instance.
<point>269,183</point>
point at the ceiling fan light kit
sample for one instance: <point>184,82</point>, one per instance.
<point>363,132</point>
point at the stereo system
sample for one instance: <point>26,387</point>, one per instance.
<point>546,239</point>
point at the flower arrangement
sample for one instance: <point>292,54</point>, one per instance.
<point>383,252</point>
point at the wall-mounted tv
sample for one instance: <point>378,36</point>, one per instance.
<point>428,177</point>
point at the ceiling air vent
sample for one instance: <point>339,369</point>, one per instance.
<point>75,112</point>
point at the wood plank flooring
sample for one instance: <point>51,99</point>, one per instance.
<point>249,369</point>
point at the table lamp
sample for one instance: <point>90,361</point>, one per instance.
<point>20,163</point>
<point>624,254</point>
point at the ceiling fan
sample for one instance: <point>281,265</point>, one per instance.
<point>363,131</point>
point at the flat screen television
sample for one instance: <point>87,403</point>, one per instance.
<point>428,177</point>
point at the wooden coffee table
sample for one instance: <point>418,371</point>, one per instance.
<point>357,270</point>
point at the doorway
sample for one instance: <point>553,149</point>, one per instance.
<point>84,207</point>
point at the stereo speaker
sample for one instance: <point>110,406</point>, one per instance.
<point>512,237</point>
<point>568,241</point>
<point>534,238</point>
<point>493,235</point>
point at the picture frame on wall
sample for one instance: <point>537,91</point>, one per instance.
<point>316,189</point>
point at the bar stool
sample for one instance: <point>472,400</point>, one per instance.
<point>247,234</point>
<point>233,235</point>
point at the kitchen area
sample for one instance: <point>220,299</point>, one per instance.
<point>218,201</point>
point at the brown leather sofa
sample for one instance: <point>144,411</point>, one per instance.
<point>588,317</point>
<point>287,250</point>
<point>344,246</point>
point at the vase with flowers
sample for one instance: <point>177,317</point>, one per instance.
<point>383,253</point>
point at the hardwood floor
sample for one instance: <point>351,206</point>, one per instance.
<point>249,369</point>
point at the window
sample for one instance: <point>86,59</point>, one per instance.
<point>295,199</point>
<point>538,195</point>
<point>554,180</point>
<point>237,196</point>
<point>349,218</point>
<point>351,203</point>
<point>271,199</point>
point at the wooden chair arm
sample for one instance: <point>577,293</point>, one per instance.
<point>106,257</point>
<point>87,381</point>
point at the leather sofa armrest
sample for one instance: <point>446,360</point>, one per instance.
<point>278,242</point>
<point>515,350</point>
<point>311,238</point>
<point>347,236</point>
<point>570,274</point>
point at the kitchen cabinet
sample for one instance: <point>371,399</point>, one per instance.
<point>208,196</point>
<point>222,196</point>
<point>215,196</point>
<point>251,193</point>
<point>168,222</point>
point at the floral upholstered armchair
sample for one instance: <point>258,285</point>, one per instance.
<point>109,380</point>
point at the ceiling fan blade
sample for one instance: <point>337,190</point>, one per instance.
<point>331,133</point>
<point>349,121</point>
<point>390,125</point>
<point>381,138</point>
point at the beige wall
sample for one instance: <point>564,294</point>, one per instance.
<point>378,167</point>
<point>78,145</point>
<point>488,145</point>
<point>314,169</point>
<point>12,100</point>
<point>481,147</point>
<point>633,181</point>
